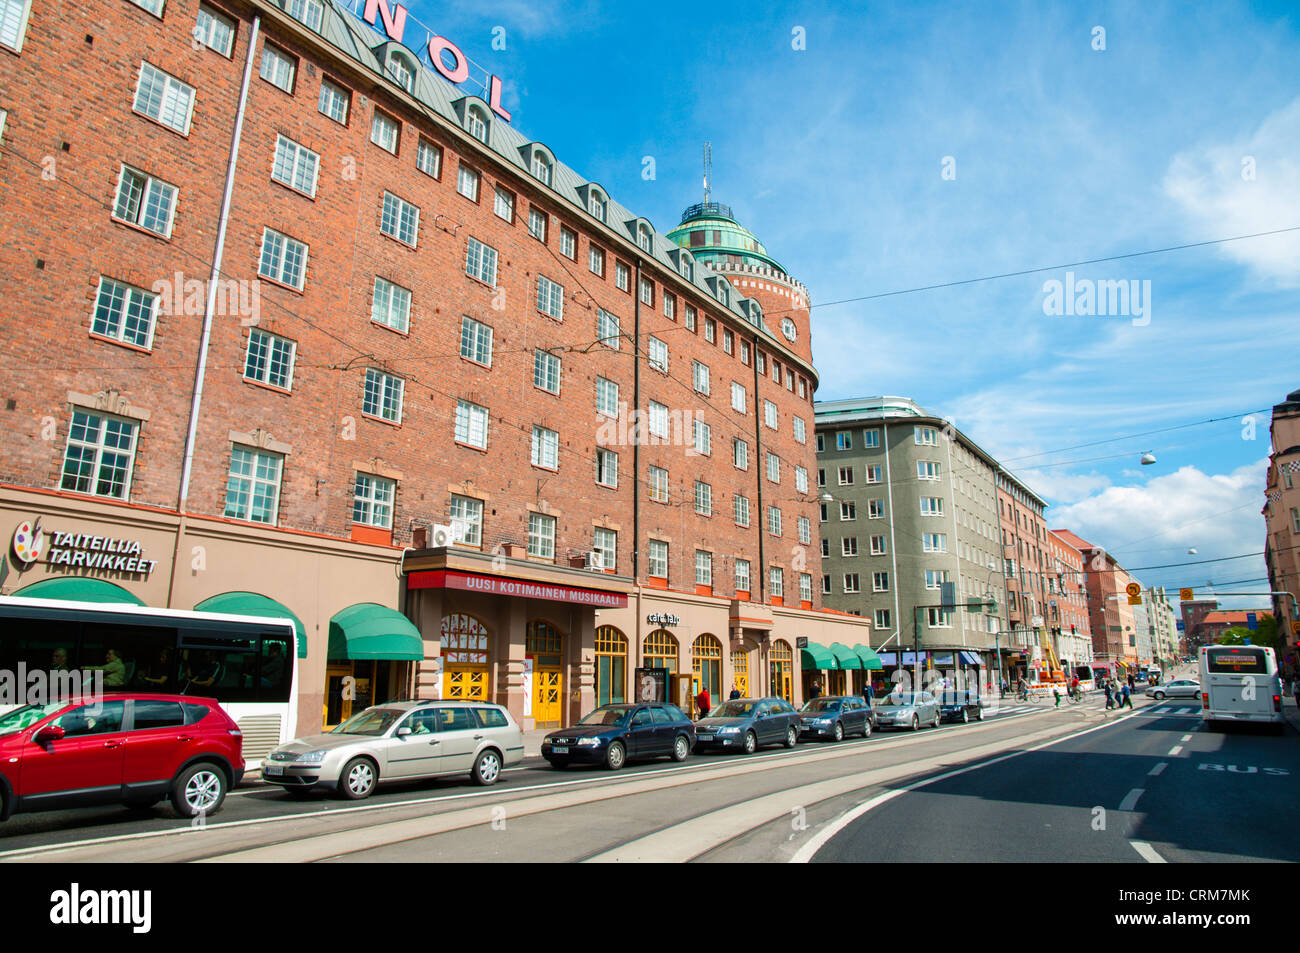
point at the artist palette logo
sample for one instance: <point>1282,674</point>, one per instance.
<point>29,542</point>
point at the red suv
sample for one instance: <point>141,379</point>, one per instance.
<point>130,748</point>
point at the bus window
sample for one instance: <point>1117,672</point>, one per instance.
<point>221,666</point>
<point>1236,661</point>
<point>277,667</point>
<point>123,652</point>
<point>48,645</point>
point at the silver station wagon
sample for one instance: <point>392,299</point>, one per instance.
<point>400,741</point>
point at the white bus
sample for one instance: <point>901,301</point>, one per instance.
<point>248,663</point>
<point>1240,683</point>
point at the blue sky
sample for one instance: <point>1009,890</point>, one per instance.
<point>833,156</point>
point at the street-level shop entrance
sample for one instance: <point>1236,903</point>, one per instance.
<point>465,643</point>
<point>611,666</point>
<point>706,662</point>
<point>544,644</point>
<point>782,670</point>
<point>740,666</point>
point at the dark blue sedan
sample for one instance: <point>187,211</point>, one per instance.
<point>614,734</point>
<point>745,724</point>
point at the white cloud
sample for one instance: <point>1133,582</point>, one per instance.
<point>1057,487</point>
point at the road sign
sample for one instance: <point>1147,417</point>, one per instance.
<point>1252,621</point>
<point>1135,600</point>
<point>1185,595</point>
<point>1133,589</point>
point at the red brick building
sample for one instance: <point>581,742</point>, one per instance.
<point>283,302</point>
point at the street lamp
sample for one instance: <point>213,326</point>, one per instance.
<point>1148,458</point>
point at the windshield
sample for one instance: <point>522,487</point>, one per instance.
<point>372,721</point>
<point>822,704</point>
<point>903,699</point>
<point>736,709</point>
<point>606,716</point>
<point>1237,661</point>
<point>24,717</point>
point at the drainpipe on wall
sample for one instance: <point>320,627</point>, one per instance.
<point>758,484</point>
<point>636,470</point>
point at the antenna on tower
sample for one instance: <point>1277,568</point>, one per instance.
<point>708,168</point>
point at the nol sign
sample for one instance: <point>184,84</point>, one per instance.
<point>394,19</point>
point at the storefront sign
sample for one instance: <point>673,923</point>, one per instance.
<point>80,550</point>
<point>663,618</point>
<point>496,586</point>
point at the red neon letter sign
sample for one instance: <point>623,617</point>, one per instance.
<point>437,44</point>
<point>394,23</point>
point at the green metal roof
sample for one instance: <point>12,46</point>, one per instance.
<point>847,658</point>
<point>722,235</point>
<point>78,589</point>
<point>817,657</point>
<point>371,631</point>
<point>870,660</point>
<point>253,603</point>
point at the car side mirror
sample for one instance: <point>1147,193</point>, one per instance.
<point>403,731</point>
<point>49,733</point>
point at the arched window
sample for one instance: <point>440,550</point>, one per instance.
<point>611,666</point>
<point>464,639</point>
<point>541,167</point>
<point>782,670</point>
<point>660,651</point>
<point>706,662</point>
<point>596,204</point>
<point>402,71</point>
<point>643,238</point>
<point>477,122</point>
<point>686,267</point>
<point>740,666</point>
<point>543,642</point>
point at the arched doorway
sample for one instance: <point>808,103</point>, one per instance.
<point>706,663</point>
<point>544,644</point>
<point>611,666</point>
<point>782,669</point>
<point>660,651</point>
<point>740,669</point>
<point>464,657</point>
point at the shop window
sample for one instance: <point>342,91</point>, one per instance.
<point>660,651</point>
<point>611,666</point>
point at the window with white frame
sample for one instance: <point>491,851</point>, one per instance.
<point>880,582</point>
<point>471,424</point>
<point>401,71</point>
<point>214,30</point>
<point>384,132</point>
<point>537,223</point>
<point>372,501</point>
<point>503,204</point>
<point>774,520</point>
<point>878,546</point>
<point>309,12</point>
<point>826,583</point>
<point>823,512</point>
<point>647,292</point>
<point>742,575</point>
<point>939,618</point>
<point>927,470</point>
<point>703,498</point>
<point>769,414</point>
<point>295,165</point>
<point>805,531</point>
<point>606,467</point>
<point>851,583</point>
<point>931,506</point>
<point>670,306</point>
<point>843,440</point>
<point>253,485</point>
<point>871,439</point>
<point>467,182</point>
<point>873,472</point>
<point>269,359</point>
<point>100,455</point>
<point>776,582</point>
<point>607,328</point>
<point>334,101</point>
<point>739,454</point>
<point>882,618</point>
<point>821,476</point>
<point>849,546</point>
<point>935,578</point>
<point>740,505</point>
<point>710,329</point>
<point>776,371</point>
<point>643,239</point>
<point>848,511</point>
<point>481,262</point>
<point>773,467</point>
<point>428,158</point>
<point>606,397</point>
<point>400,219</point>
<point>934,542</point>
<point>800,430</point>
<point>158,95</point>
<point>153,6</point>
<point>875,509</point>
<point>541,536</point>
<point>546,448</point>
<point>283,259</point>
<point>124,313</point>
<point>604,544</point>
<point>382,397</point>
<point>658,562</point>
<point>846,476</point>
<point>658,354</point>
<point>821,443</point>
<point>658,421</point>
<point>738,396</point>
<point>688,317</point>
<point>744,353</point>
<point>390,305</point>
<point>568,243</point>
<point>13,23</point>
<point>477,123</point>
<point>659,484</point>
<point>596,260</point>
<point>546,371</point>
<point>541,167</point>
<point>475,341</point>
<point>801,479</point>
<point>550,297</point>
<point>596,204</point>
<point>702,435</point>
<point>685,266</point>
<point>728,341</point>
<point>622,276</point>
<point>700,377</point>
<point>466,520</point>
<point>278,68</point>
<point>925,436</point>
<point>703,568</point>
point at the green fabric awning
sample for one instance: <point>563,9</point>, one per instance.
<point>847,658</point>
<point>368,630</point>
<point>78,589</point>
<point>252,603</point>
<point>817,657</point>
<point>870,660</point>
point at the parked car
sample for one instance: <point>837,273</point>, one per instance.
<point>746,724</point>
<point>907,710</point>
<point>1178,688</point>
<point>834,716</point>
<point>613,734</point>
<point>134,749</point>
<point>960,706</point>
<point>400,741</point>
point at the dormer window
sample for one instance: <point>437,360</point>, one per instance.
<point>686,266</point>
<point>596,204</point>
<point>477,122</point>
<point>724,293</point>
<point>541,167</point>
<point>643,238</point>
<point>401,71</point>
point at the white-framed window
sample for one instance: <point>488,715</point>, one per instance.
<point>476,121</point>
<point>878,546</point>
<point>823,515</point>
<point>882,618</point>
<point>503,204</point>
<point>604,544</point>
<point>776,371</point>
<point>382,396</point>
<point>700,377</point>
<point>851,582</point>
<point>647,292</point>
<point>253,485</point>
<point>821,476</point>
<point>658,354</point>
<point>774,520</point>
<point>773,467</point>
<point>703,568</point>
<point>742,575</point>
<point>740,505</point>
<point>546,448</point>
<point>800,429</point>
<point>843,440</point>
<point>295,165</point>
<point>546,371</point>
<point>278,68</point>
<point>710,329</point>
<point>541,167</point>
<point>849,546</point>
<point>428,158</point>
<point>643,239</point>
<point>100,455</point>
<point>658,563</point>
<point>925,436</point>
<point>805,531</point>
<point>939,618</point>
<point>931,506</point>
<point>848,511</point>
<point>670,306</point>
<point>659,484</point>
<point>372,501</point>
<point>334,101</point>
<point>606,397</point>
<point>596,260</point>
<point>934,542</point>
<point>871,439</point>
<point>689,317</point>
<point>880,582</point>
<point>873,472</point>
<point>541,536</point>
<point>550,298</point>
<point>390,305</point>
<point>744,353</point>
<point>935,578</point>
<point>568,243</point>
<point>728,341</point>
<point>401,71</point>
<point>846,476</point>
<point>769,414</point>
<point>283,259</point>
<point>821,443</point>
<point>481,262</point>
<point>467,182</point>
<point>158,95</point>
<point>596,205</point>
<point>471,424</point>
<point>703,498</point>
<point>738,396</point>
<point>927,470</point>
<point>537,223</point>
<point>309,12</point>
<point>215,30</point>
<point>607,328</point>
<point>466,520</point>
<point>801,479</point>
<point>270,359</point>
<point>400,219</point>
<point>658,419</point>
<point>739,454</point>
<point>622,276</point>
<point>124,313</point>
<point>702,435</point>
<point>606,467</point>
<point>875,509</point>
<point>776,582</point>
<point>153,6</point>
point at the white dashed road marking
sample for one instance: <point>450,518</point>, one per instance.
<point>1131,799</point>
<point>1158,768</point>
<point>1148,852</point>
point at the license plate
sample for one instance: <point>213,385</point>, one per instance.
<point>559,749</point>
<point>704,737</point>
<point>273,769</point>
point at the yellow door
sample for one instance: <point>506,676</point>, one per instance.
<point>466,682</point>
<point>742,683</point>
<point>548,685</point>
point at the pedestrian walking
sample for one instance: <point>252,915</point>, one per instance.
<point>1057,692</point>
<point>1128,698</point>
<point>1004,686</point>
<point>868,694</point>
<point>1110,701</point>
<point>702,702</point>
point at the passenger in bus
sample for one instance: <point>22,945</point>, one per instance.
<point>59,660</point>
<point>159,673</point>
<point>273,667</point>
<point>114,669</point>
<point>203,674</point>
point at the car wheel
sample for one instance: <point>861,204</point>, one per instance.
<point>916,722</point>
<point>839,732</point>
<point>358,779</point>
<point>979,714</point>
<point>792,736</point>
<point>751,742</point>
<point>965,716</point>
<point>487,768</point>
<point>615,756</point>
<point>866,728</point>
<point>199,789</point>
<point>1158,695</point>
<point>681,748</point>
<point>935,723</point>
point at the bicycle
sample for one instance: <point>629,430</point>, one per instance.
<point>1074,697</point>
